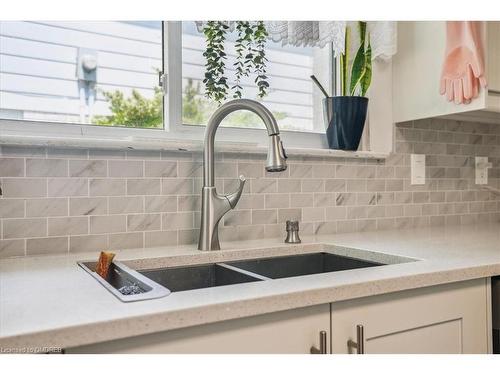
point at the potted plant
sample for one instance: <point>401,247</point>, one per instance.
<point>345,115</point>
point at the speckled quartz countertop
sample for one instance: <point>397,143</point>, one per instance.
<point>50,302</point>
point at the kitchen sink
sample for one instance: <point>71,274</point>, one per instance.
<point>177,279</point>
<point>130,285</point>
<point>300,265</point>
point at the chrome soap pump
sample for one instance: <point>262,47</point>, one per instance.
<point>292,232</point>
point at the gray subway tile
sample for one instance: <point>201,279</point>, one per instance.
<point>251,170</point>
<point>160,238</point>
<point>143,222</point>
<point>46,246</point>
<point>11,167</point>
<point>67,187</point>
<point>289,185</point>
<point>174,186</point>
<point>161,168</point>
<point>238,217</point>
<point>12,248</point>
<point>313,214</point>
<point>143,186</point>
<point>107,187</point>
<point>23,187</point>
<point>125,168</point>
<point>11,208</point>
<point>68,226</point>
<point>177,220</point>
<point>126,205</point>
<point>160,203</point>
<point>121,241</point>
<point>94,242</point>
<point>46,207</point>
<point>24,228</point>
<point>46,168</point>
<point>88,206</point>
<point>108,224</point>
<point>88,168</point>
<point>285,214</point>
<point>277,200</point>
<point>264,185</point>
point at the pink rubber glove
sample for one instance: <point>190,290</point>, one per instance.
<point>463,68</point>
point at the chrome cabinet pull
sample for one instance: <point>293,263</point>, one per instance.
<point>322,344</point>
<point>360,338</point>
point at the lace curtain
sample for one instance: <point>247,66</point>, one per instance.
<point>383,34</point>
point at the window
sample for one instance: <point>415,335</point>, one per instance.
<point>103,73</point>
<point>291,97</point>
<point>106,73</point>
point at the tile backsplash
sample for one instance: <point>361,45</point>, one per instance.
<point>58,200</point>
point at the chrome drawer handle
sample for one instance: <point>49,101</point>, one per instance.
<point>360,338</point>
<point>322,344</point>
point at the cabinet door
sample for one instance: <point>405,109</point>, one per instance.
<point>451,318</point>
<point>494,57</point>
<point>417,71</point>
<point>292,331</point>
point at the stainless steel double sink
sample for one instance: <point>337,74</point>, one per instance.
<point>209,275</point>
<point>155,283</point>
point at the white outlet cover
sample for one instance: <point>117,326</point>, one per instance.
<point>482,165</point>
<point>417,169</point>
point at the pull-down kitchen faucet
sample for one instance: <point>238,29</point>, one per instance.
<point>213,205</point>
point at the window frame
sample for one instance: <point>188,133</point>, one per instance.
<point>173,128</point>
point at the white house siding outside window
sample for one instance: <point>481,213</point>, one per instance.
<point>106,73</point>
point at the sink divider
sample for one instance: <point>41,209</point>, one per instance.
<point>245,272</point>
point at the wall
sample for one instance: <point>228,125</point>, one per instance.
<point>60,200</point>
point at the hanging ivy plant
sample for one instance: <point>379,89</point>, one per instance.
<point>251,58</point>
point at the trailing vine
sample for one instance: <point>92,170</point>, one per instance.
<point>216,86</point>
<point>242,45</point>
<point>250,48</point>
<point>259,58</point>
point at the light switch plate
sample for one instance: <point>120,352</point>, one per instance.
<point>417,169</point>
<point>482,165</point>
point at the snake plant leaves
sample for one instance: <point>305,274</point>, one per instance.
<point>360,62</point>
<point>367,77</point>
<point>344,61</point>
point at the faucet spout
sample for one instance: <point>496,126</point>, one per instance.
<point>214,206</point>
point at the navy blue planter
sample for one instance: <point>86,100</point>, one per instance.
<point>344,120</point>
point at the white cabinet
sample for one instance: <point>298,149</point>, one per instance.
<point>292,331</point>
<point>451,318</point>
<point>494,56</point>
<point>417,70</point>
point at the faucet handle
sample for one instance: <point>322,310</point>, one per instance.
<point>235,197</point>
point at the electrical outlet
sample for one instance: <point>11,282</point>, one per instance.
<point>482,166</point>
<point>417,169</point>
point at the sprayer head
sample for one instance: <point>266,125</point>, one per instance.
<point>276,156</point>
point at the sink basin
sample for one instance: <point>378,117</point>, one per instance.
<point>300,265</point>
<point>177,279</point>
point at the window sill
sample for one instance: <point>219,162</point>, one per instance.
<point>159,144</point>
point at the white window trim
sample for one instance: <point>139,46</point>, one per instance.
<point>173,129</point>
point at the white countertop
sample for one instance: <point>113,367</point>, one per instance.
<point>51,302</point>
